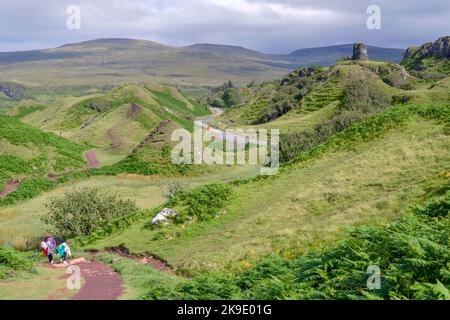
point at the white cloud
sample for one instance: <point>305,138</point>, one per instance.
<point>268,25</point>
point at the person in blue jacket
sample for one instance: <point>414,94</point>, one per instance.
<point>64,251</point>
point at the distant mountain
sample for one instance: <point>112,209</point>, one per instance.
<point>222,49</point>
<point>110,61</point>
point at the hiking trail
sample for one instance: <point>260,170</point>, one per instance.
<point>100,280</point>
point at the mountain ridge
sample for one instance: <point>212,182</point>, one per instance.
<point>119,60</point>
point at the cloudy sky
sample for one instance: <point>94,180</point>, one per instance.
<point>272,26</point>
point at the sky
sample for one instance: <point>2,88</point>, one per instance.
<point>270,26</point>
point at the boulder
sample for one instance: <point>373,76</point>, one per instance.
<point>163,216</point>
<point>159,218</point>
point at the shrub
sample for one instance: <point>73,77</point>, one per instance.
<point>28,189</point>
<point>203,202</point>
<point>208,287</point>
<point>13,260</point>
<point>80,212</point>
<point>435,207</point>
<point>231,97</point>
<point>218,103</point>
<point>273,112</point>
<point>361,96</point>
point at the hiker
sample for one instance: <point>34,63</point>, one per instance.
<point>50,245</point>
<point>44,247</point>
<point>64,251</point>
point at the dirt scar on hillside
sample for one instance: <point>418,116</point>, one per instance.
<point>91,158</point>
<point>10,187</point>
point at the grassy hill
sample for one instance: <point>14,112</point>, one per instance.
<point>311,95</point>
<point>376,143</point>
<point>112,61</point>
<point>45,144</point>
<point>29,154</point>
<point>113,122</point>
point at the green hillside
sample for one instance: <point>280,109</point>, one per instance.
<point>311,103</point>
<point>29,154</point>
<point>116,121</point>
<point>42,144</point>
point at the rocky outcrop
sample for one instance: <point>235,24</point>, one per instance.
<point>12,90</point>
<point>439,49</point>
<point>360,52</point>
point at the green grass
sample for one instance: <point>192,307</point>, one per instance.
<point>44,284</point>
<point>412,255</point>
<point>368,173</point>
<point>322,93</point>
<point>21,224</point>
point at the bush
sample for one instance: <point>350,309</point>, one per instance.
<point>231,97</point>
<point>218,103</point>
<point>208,287</point>
<point>80,212</point>
<point>10,259</point>
<point>361,96</point>
<point>28,189</point>
<point>273,112</point>
<point>435,207</point>
<point>203,202</point>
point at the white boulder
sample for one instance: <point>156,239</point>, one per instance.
<point>163,216</point>
<point>159,218</point>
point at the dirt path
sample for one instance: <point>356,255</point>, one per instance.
<point>92,160</point>
<point>216,111</point>
<point>101,282</point>
<point>10,187</point>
